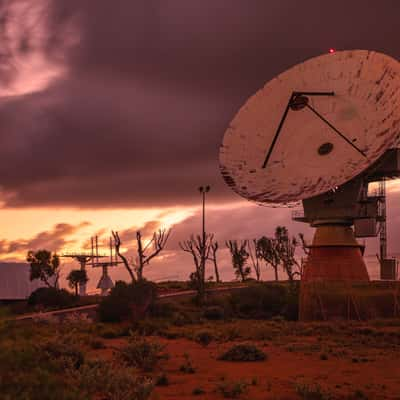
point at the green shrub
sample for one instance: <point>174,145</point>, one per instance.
<point>128,301</point>
<point>28,373</point>
<point>232,390</point>
<point>65,353</point>
<point>198,391</point>
<point>214,313</point>
<point>187,366</point>
<point>162,380</point>
<point>163,309</point>
<point>96,344</point>
<point>142,354</point>
<point>102,380</point>
<point>266,300</point>
<point>204,338</point>
<point>112,332</point>
<point>311,392</point>
<point>243,352</point>
<point>291,308</point>
<point>50,297</point>
<point>148,327</point>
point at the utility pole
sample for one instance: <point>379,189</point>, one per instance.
<point>203,190</point>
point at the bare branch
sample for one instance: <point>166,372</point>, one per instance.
<point>117,242</point>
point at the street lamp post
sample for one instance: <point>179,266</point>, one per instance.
<point>203,190</point>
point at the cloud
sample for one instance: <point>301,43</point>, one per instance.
<point>54,240</point>
<point>137,115</point>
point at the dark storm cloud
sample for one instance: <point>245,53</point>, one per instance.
<point>150,88</point>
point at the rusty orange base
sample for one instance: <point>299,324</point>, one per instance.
<point>335,259</point>
<point>335,264</point>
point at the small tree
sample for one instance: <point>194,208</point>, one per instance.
<point>286,247</point>
<point>255,261</point>
<point>44,266</point>
<point>77,277</point>
<point>267,250</point>
<point>200,252</point>
<point>156,243</point>
<point>239,258</point>
<point>306,250</point>
<point>213,258</point>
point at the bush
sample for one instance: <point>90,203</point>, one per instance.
<point>232,390</point>
<point>112,332</point>
<point>291,309</point>
<point>311,392</point>
<point>204,338</point>
<point>102,380</point>
<point>197,391</point>
<point>162,380</point>
<point>187,366</point>
<point>142,354</point>
<point>65,353</point>
<point>266,301</point>
<point>128,301</point>
<point>214,313</point>
<point>243,352</point>
<point>51,297</point>
<point>163,309</point>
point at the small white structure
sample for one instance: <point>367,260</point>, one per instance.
<point>105,282</point>
<point>15,283</point>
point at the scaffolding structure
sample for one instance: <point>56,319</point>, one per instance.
<point>96,259</point>
<point>105,283</point>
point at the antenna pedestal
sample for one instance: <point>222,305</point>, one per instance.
<point>335,261</point>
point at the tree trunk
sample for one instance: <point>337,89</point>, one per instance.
<point>76,289</point>
<point>258,275</point>
<point>276,272</point>
<point>44,279</point>
<point>139,271</point>
<point>241,273</point>
<point>218,280</point>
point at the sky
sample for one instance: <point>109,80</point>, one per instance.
<point>112,113</point>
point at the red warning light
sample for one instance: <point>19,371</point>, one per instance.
<point>331,50</point>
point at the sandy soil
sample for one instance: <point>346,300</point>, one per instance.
<point>354,372</point>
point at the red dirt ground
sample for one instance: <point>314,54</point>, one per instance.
<point>291,363</point>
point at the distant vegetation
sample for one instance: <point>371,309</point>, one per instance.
<point>51,298</point>
<point>128,301</point>
<point>77,277</point>
<point>44,266</point>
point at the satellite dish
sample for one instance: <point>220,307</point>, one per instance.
<point>313,127</point>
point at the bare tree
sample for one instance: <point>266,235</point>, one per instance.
<point>213,257</point>
<point>200,251</point>
<point>145,252</point>
<point>156,243</point>
<point>267,250</point>
<point>118,243</point>
<point>239,258</point>
<point>255,261</point>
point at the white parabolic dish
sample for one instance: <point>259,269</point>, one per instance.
<point>365,108</point>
